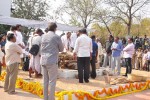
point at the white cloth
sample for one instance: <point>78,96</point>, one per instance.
<point>128,51</point>
<point>148,55</point>
<point>10,32</point>
<point>19,39</point>
<point>144,57</point>
<point>83,46</point>
<point>35,63</point>
<point>73,39</point>
<point>100,49</point>
<point>66,42</point>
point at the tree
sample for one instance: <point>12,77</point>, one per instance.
<point>81,11</point>
<point>103,17</point>
<point>117,28</point>
<point>30,9</point>
<point>126,10</point>
<point>100,32</point>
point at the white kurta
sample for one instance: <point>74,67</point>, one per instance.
<point>66,42</point>
<point>73,39</point>
<point>35,60</point>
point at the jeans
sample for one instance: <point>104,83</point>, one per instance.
<point>115,62</point>
<point>93,65</point>
<point>128,66</point>
<point>83,64</point>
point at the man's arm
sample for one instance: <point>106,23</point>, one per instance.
<point>76,48</point>
<point>17,48</point>
<point>60,44</point>
<point>127,48</point>
<point>120,47</point>
<point>96,51</point>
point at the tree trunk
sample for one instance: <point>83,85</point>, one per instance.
<point>129,28</point>
<point>106,26</point>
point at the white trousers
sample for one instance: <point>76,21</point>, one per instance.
<point>115,62</point>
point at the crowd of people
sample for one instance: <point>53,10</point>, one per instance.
<point>43,49</point>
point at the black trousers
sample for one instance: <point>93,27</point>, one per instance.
<point>93,65</point>
<point>83,64</point>
<point>128,66</point>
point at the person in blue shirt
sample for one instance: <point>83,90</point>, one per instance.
<point>3,42</point>
<point>116,48</point>
<point>94,57</point>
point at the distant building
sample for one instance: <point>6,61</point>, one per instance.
<point>5,7</point>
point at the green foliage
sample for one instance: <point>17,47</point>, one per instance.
<point>4,28</point>
<point>30,9</point>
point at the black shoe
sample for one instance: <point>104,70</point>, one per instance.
<point>87,81</point>
<point>93,77</point>
<point>80,82</point>
<point>124,75</point>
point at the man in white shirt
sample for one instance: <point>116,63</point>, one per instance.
<point>83,50</point>
<point>66,40</point>
<point>128,52</point>
<point>19,40</point>
<point>12,58</point>
<point>73,40</point>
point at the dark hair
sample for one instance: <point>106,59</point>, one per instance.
<point>93,37</point>
<point>117,37</point>
<point>46,30</point>
<point>39,31</point>
<point>131,39</point>
<point>10,36</point>
<point>13,28</point>
<point>145,51</point>
<point>17,26</point>
<point>83,31</point>
<point>1,37</point>
<point>52,27</point>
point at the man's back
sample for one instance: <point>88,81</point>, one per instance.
<point>83,46</point>
<point>51,45</point>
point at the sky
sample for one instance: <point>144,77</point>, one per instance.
<point>57,3</point>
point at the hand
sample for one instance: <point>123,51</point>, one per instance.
<point>96,61</point>
<point>74,56</point>
<point>90,57</point>
<point>18,53</point>
<point>114,49</point>
<point>23,47</point>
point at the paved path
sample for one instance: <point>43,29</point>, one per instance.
<point>21,95</point>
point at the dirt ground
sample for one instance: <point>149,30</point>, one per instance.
<point>72,84</point>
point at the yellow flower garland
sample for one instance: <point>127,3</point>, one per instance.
<point>37,89</point>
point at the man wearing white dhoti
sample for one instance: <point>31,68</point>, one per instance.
<point>34,65</point>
